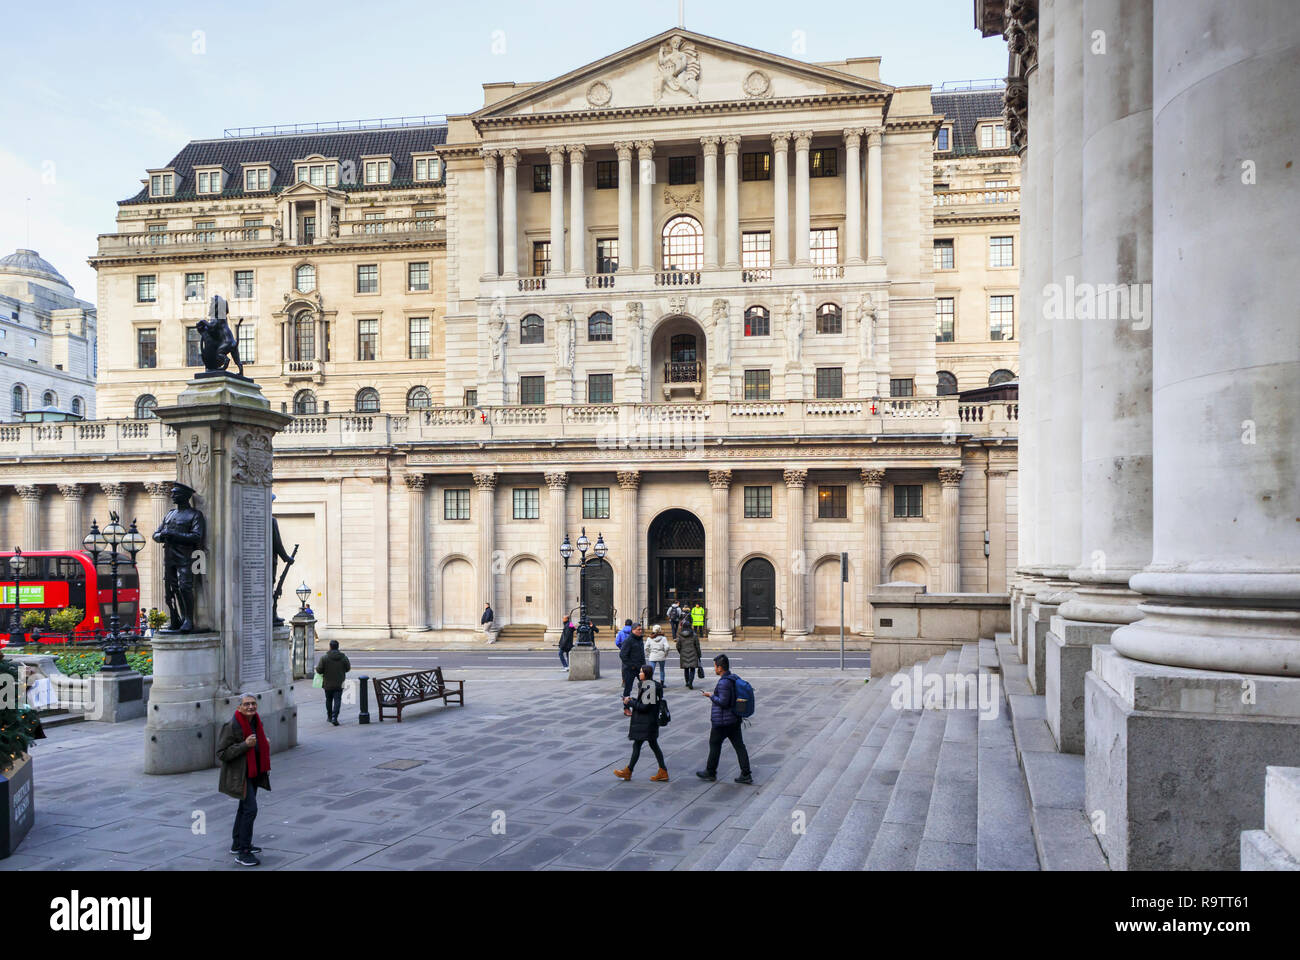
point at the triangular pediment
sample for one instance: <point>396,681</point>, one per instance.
<point>679,68</point>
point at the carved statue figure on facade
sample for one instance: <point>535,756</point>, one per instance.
<point>217,342</point>
<point>794,327</point>
<point>635,344</point>
<point>181,534</point>
<point>679,69</point>
<point>867,327</point>
<point>497,329</point>
<point>565,341</point>
<point>721,316</point>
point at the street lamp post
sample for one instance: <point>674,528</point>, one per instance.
<point>17,565</point>
<point>107,541</point>
<point>585,637</point>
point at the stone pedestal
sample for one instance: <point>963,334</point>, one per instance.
<point>584,663</point>
<point>1042,609</point>
<point>302,632</point>
<point>17,805</point>
<point>1068,660</point>
<point>116,696</point>
<point>1175,759</point>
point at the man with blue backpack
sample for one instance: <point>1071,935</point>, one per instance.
<point>733,701</point>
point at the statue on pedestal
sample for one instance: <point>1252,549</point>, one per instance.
<point>181,533</point>
<point>218,345</point>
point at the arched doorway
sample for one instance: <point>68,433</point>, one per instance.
<point>598,589</point>
<point>526,586</point>
<point>758,593</point>
<point>676,556</point>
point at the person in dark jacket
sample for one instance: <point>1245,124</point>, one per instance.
<point>724,724</point>
<point>624,632</point>
<point>688,648</point>
<point>644,726</point>
<point>675,617</point>
<point>334,667</point>
<point>566,643</point>
<point>488,616</point>
<point>632,656</point>
<point>245,755</point>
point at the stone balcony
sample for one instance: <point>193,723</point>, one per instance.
<point>164,243</point>
<point>661,281</point>
<point>1001,202</point>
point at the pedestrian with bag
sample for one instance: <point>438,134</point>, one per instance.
<point>648,710</point>
<point>688,648</point>
<point>333,670</point>
<point>724,723</point>
<point>656,653</point>
<point>675,617</point>
<point>697,619</point>
<point>566,643</point>
<point>245,755</point>
<point>632,655</point>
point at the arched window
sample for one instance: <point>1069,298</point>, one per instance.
<point>417,398</point>
<point>144,406</point>
<point>1000,376</point>
<point>304,403</point>
<point>683,244</point>
<point>830,319</point>
<point>758,322</point>
<point>600,326</point>
<point>532,329</point>
<point>947,384</point>
<point>19,398</point>
<point>48,399</point>
<point>304,336</point>
<point>367,400</point>
<point>304,278</point>
<point>77,406</point>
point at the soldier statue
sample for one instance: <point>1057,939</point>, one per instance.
<point>217,342</point>
<point>278,554</point>
<point>180,533</point>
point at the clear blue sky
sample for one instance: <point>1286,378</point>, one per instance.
<point>95,93</point>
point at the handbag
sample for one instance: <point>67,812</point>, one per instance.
<point>665,717</point>
<point>318,681</point>
<point>699,672</point>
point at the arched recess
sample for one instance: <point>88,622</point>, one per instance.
<point>456,588</point>
<point>527,587</point>
<point>826,596</point>
<point>675,562</point>
<point>757,592</point>
<point>911,568</point>
<point>598,590</point>
<point>678,359</point>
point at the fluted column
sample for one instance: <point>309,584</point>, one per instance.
<point>853,193</point>
<point>557,209</point>
<point>718,596</point>
<point>1043,136</point>
<point>950,530</point>
<point>31,497</point>
<point>510,212</point>
<point>159,502</point>
<point>116,494</point>
<point>997,520</point>
<point>417,604</point>
<point>802,203</point>
<point>780,199</point>
<point>557,484</point>
<point>485,519</point>
<point>731,174</point>
<point>645,254</point>
<point>490,241</point>
<point>796,617</point>
<point>72,522</point>
<point>629,594</point>
<point>872,481</point>
<point>710,145</point>
<point>577,212</point>
<point>625,252</point>
<point>875,197</point>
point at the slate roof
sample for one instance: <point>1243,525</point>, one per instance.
<point>964,109</point>
<point>281,151</point>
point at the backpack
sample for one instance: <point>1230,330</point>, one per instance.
<point>743,704</point>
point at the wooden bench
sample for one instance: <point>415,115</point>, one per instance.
<point>405,689</point>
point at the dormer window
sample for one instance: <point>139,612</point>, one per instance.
<point>428,169</point>
<point>379,171</point>
<point>943,142</point>
<point>208,181</point>
<point>162,184</point>
<point>319,174</point>
<point>257,179</point>
<point>993,136</point>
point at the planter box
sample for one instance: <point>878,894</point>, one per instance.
<point>17,805</point>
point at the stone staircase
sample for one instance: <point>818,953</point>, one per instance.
<point>1277,846</point>
<point>522,632</point>
<point>881,788</point>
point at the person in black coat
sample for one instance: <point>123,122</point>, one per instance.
<point>632,655</point>
<point>644,726</point>
<point>566,643</point>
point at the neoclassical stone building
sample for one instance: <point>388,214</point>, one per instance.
<point>686,298</point>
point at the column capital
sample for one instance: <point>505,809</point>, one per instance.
<point>781,140</point>
<point>71,491</point>
<point>731,144</point>
<point>710,145</point>
<point>997,471</point>
<point>803,139</point>
<point>158,489</point>
<point>796,478</point>
<point>720,479</point>
<point>950,477</point>
<point>624,148</point>
<point>874,135</point>
<point>485,481</point>
<point>489,157</point>
<point>113,489</point>
<point>629,479</point>
<point>556,152</point>
<point>415,482</point>
<point>510,157</point>
<point>29,491</point>
<point>645,148</point>
<point>873,477</point>
<point>557,480</point>
<point>853,136</point>
<point>577,152</point>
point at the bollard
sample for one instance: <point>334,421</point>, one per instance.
<point>364,715</point>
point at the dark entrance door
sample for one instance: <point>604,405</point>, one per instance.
<point>598,587</point>
<point>757,594</point>
<point>676,562</point>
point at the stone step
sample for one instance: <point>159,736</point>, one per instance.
<point>951,825</point>
<point>1259,851</point>
<point>51,720</point>
<point>969,659</point>
<point>898,841</point>
<point>1282,807</point>
<point>1063,832</point>
<point>989,655</point>
<point>1029,724</point>
<point>1015,675</point>
<point>1004,835</point>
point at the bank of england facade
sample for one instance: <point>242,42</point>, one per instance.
<point>724,309</point>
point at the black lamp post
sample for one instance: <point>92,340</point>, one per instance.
<point>17,565</point>
<point>598,551</point>
<point>303,593</point>
<point>107,541</point>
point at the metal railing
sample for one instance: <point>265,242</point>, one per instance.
<point>335,126</point>
<point>682,371</point>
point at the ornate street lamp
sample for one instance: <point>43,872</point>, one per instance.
<point>17,566</point>
<point>303,593</point>
<point>566,552</point>
<point>108,540</point>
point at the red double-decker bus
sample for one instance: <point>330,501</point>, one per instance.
<point>55,579</point>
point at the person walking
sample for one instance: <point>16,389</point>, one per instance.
<point>724,724</point>
<point>675,617</point>
<point>688,649</point>
<point>245,755</point>
<point>697,619</point>
<point>566,643</point>
<point>644,726</point>
<point>656,652</point>
<point>488,616</point>
<point>334,667</point>
<point>632,655</point>
<point>623,633</point>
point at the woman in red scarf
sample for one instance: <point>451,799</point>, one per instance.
<point>245,755</point>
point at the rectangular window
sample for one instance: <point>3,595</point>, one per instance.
<point>1000,252</point>
<point>193,348</point>
<point>600,388</point>
<point>908,500</point>
<point>823,163</point>
<point>426,215</point>
<point>993,136</point>
<point>204,231</point>
<point>367,339</point>
<point>595,503</point>
<point>374,223</point>
<point>541,178</point>
<point>243,284</point>
<point>251,223</point>
<point>756,166</point>
<point>900,388</point>
<point>146,348</point>
<point>157,233</point>
<point>944,255</point>
<point>824,247</point>
<point>417,338</point>
<point>756,250</point>
<point>526,503</point>
<point>1000,318</point>
<point>758,322</point>
<point>160,184</point>
<point>209,182</point>
<point>606,174</point>
<point>194,286</point>
<point>943,319</point>
<point>257,179</point>
<point>607,255</point>
<point>417,277</point>
<point>681,170</point>
<point>532,390</point>
<point>941,142</point>
<point>758,503</point>
<point>455,504</point>
<point>541,258</point>
<point>428,168</point>
<point>470,399</point>
<point>758,384</point>
<point>146,288</point>
<point>246,333</point>
<point>832,503</point>
<point>368,278</point>
<point>830,383</point>
<point>376,171</point>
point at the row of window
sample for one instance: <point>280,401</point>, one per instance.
<point>18,400</point>
<point>305,403</point>
<point>323,173</point>
<point>947,382</point>
<point>1001,318</point>
<point>991,136</point>
<point>822,162</point>
<point>1001,253</point>
<point>304,281</point>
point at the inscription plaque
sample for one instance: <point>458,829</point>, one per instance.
<point>254,629</point>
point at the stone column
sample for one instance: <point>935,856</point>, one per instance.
<point>557,210</point>
<point>997,521</point>
<point>116,495</point>
<point>796,616</point>
<point>802,208</point>
<point>717,600</point>
<point>557,484</point>
<point>490,262</point>
<point>510,212</point>
<point>159,503</point>
<point>872,482</point>
<point>710,145</point>
<point>780,200</point>
<point>1212,670</point>
<point>645,254</point>
<point>417,605</point>
<point>853,194</point>
<point>485,513</point>
<point>950,530</point>
<point>875,197</point>
<point>731,146</point>
<point>625,252</point>
<point>73,531</point>
<point>577,212</point>
<point>629,592</point>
